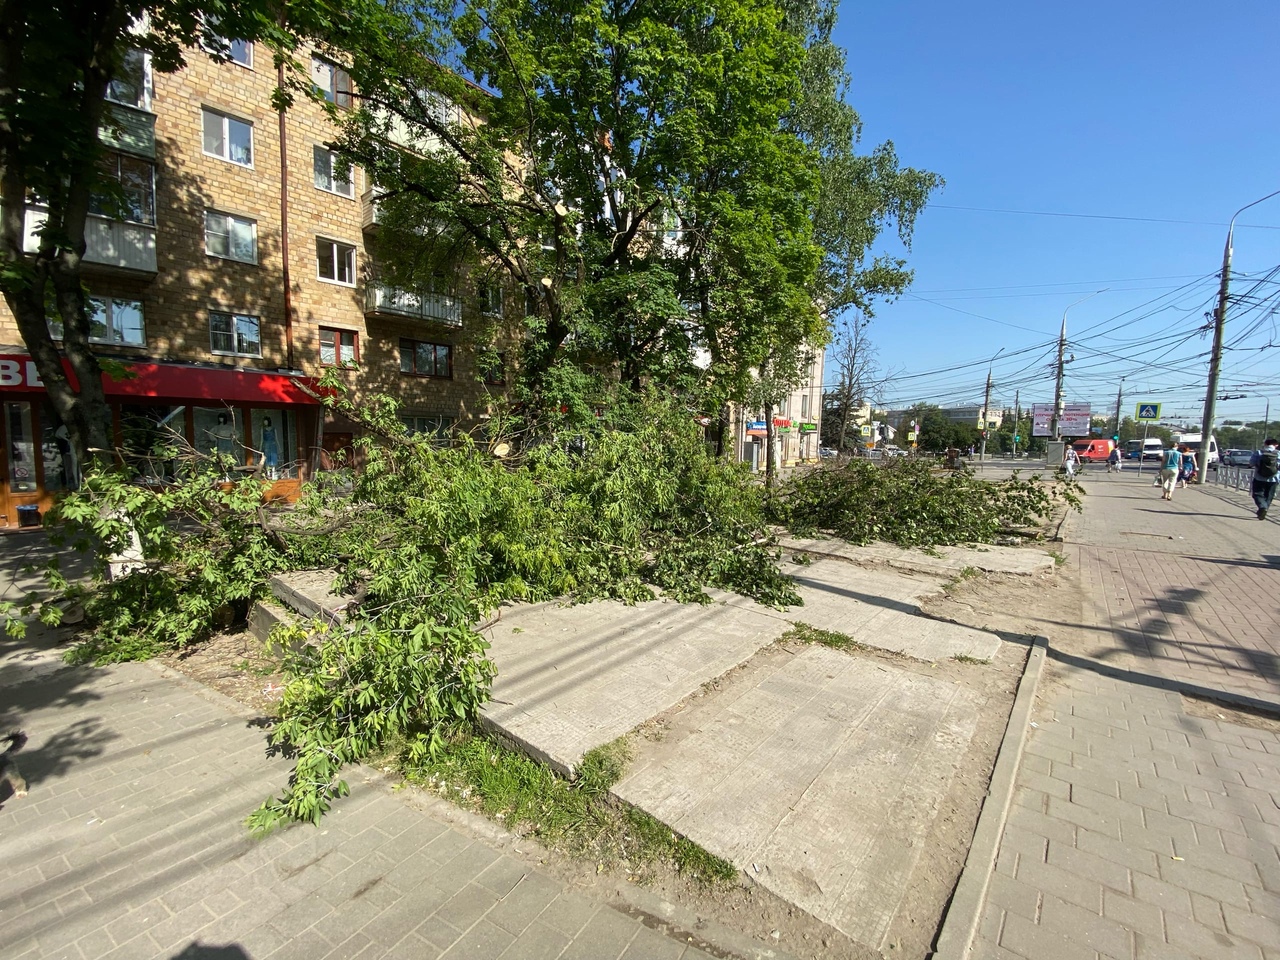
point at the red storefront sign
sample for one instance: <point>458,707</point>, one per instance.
<point>171,381</point>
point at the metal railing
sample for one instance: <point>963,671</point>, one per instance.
<point>1237,478</point>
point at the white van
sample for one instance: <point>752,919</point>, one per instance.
<point>1192,441</point>
<point>1150,449</point>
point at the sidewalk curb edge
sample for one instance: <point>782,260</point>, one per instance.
<point>960,924</point>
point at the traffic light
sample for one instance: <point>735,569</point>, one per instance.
<point>1017,438</point>
<point>1115,438</point>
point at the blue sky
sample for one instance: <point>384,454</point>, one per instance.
<point>1134,109</point>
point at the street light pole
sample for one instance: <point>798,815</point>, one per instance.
<point>1062,349</point>
<point>1219,322</point>
<point>986,403</point>
<point>1119,397</point>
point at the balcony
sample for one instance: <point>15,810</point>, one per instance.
<point>370,210</point>
<point>130,130</point>
<point>384,301</point>
<point>120,246</point>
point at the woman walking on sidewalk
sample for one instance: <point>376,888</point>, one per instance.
<point>1169,472</point>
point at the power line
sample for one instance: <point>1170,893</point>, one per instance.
<point>1098,216</point>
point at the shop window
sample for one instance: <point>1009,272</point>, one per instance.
<point>338,347</point>
<point>439,429</point>
<point>228,138</point>
<point>275,448</point>
<point>235,335</point>
<point>219,432</point>
<point>230,237</point>
<point>132,193</point>
<point>129,86</point>
<point>61,471</point>
<point>333,82</point>
<point>331,174</point>
<point>111,320</point>
<point>150,436</point>
<point>804,406</point>
<point>489,298</point>
<point>20,449</point>
<point>493,367</point>
<point>421,359</point>
<point>335,262</point>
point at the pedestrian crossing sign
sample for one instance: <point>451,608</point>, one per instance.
<point>1148,411</point>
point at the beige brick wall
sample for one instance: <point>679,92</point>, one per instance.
<point>190,283</point>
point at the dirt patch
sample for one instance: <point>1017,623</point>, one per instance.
<point>1207,709</point>
<point>234,664</point>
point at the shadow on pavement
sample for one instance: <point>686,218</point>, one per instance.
<point>199,951</point>
<point>1267,707</point>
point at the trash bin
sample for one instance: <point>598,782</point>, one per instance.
<point>29,515</point>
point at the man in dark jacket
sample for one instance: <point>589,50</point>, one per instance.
<point>1265,475</point>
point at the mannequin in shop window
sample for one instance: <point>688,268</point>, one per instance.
<point>223,437</point>
<point>270,449</point>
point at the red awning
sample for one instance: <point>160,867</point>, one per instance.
<point>174,381</point>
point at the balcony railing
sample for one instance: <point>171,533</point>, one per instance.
<point>111,243</point>
<point>129,129</point>
<point>381,300</point>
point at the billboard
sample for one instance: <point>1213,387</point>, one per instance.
<point>1073,423</point>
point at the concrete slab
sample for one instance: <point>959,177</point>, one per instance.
<point>820,777</point>
<point>879,608</point>
<point>1022,561</point>
<point>573,678</point>
<point>310,593</point>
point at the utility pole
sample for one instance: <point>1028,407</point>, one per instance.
<point>1017,415</point>
<point>1119,398</point>
<point>986,399</point>
<point>1056,425</point>
<point>1219,323</point>
<point>986,402</point>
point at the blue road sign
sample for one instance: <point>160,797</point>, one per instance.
<point>1148,411</point>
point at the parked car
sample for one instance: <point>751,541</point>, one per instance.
<point>826,453</point>
<point>891,450</point>
<point>1237,458</point>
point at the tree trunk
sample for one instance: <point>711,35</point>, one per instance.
<point>769,465</point>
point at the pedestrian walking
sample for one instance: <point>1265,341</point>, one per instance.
<point>1187,472</point>
<point>1169,472</point>
<point>1113,460</point>
<point>1070,461</point>
<point>1266,475</point>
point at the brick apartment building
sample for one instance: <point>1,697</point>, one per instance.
<point>241,269</point>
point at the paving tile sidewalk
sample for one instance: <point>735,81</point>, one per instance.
<point>1139,830</point>
<point>130,845</point>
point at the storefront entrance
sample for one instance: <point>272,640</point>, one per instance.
<point>166,419</point>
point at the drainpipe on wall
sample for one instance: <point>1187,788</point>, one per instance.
<point>284,232</point>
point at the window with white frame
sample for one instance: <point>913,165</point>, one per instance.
<point>130,84</point>
<point>489,297</point>
<point>339,347</point>
<point>132,193</point>
<point>331,173</point>
<point>235,334</point>
<point>230,237</point>
<point>335,262</point>
<point>228,138</point>
<point>332,81</point>
<point>804,406</point>
<point>225,48</point>
<point>438,428</point>
<point>111,320</point>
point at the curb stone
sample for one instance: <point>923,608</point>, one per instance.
<point>965,909</point>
